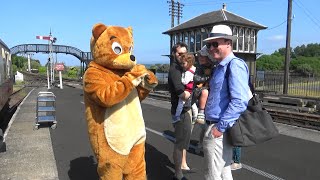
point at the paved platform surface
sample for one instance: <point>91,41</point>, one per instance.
<point>65,153</point>
<point>29,154</point>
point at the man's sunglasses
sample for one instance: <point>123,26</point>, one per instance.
<point>180,54</point>
<point>214,44</point>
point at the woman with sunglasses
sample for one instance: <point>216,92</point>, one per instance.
<point>182,128</point>
<point>187,64</point>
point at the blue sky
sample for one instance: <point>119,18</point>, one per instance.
<point>71,23</point>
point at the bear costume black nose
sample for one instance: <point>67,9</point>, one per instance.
<point>132,58</point>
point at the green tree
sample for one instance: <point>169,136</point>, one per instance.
<point>306,65</point>
<point>299,50</point>
<point>163,68</point>
<point>14,69</point>
<point>304,59</point>
<point>282,52</point>
<point>72,73</point>
<point>35,64</point>
<point>153,67</point>
<point>270,62</point>
<point>304,68</point>
<point>311,50</point>
<point>42,70</point>
<point>19,61</point>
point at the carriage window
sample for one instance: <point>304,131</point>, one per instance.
<point>173,40</point>
<point>235,42</point>
<point>5,64</point>
<point>240,43</point>
<point>186,38</point>
<point>252,41</point>
<point>3,54</point>
<point>191,42</point>
<point>177,37</point>
<point>1,68</point>
<point>198,41</point>
<point>246,40</point>
<point>204,36</point>
<point>8,65</point>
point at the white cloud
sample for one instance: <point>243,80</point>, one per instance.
<point>276,38</point>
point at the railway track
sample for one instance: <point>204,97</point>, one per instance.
<point>281,115</point>
<point>31,80</point>
<point>36,80</point>
<point>305,120</point>
<point>15,99</point>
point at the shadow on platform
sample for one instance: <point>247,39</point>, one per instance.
<point>193,143</point>
<point>158,164</point>
<point>83,168</point>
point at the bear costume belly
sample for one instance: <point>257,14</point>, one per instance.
<point>124,125</point>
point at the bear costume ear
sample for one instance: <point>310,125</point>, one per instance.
<point>98,29</point>
<point>130,29</point>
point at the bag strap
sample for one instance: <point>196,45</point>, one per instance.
<point>227,77</point>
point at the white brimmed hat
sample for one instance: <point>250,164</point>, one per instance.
<point>221,31</point>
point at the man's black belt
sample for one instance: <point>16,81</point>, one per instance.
<point>211,122</point>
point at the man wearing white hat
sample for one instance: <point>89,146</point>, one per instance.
<point>228,98</point>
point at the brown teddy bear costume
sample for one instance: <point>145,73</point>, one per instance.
<point>114,85</point>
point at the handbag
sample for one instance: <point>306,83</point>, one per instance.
<point>254,126</point>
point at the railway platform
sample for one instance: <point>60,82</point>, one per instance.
<point>28,154</point>
<point>64,153</point>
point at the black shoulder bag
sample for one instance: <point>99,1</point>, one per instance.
<point>255,124</point>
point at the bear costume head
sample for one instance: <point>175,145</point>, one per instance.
<point>117,44</point>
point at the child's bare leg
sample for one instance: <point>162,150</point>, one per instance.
<point>195,110</point>
<point>202,104</point>
<point>176,117</point>
<point>187,94</point>
<point>203,99</point>
<point>181,103</point>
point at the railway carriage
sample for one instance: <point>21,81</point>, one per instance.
<point>6,77</point>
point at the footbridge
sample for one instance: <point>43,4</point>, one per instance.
<point>84,57</point>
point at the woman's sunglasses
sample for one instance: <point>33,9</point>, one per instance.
<point>214,44</point>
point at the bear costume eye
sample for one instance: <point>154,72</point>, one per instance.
<point>116,47</point>
<point>130,49</point>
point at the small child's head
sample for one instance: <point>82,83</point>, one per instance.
<point>187,61</point>
<point>203,56</point>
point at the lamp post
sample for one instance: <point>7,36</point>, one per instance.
<point>29,62</point>
<point>50,71</point>
<point>288,49</point>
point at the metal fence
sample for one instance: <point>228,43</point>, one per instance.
<point>162,78</point>
<point>298,85</point>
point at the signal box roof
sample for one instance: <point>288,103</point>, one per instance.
<point>221,16</point>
